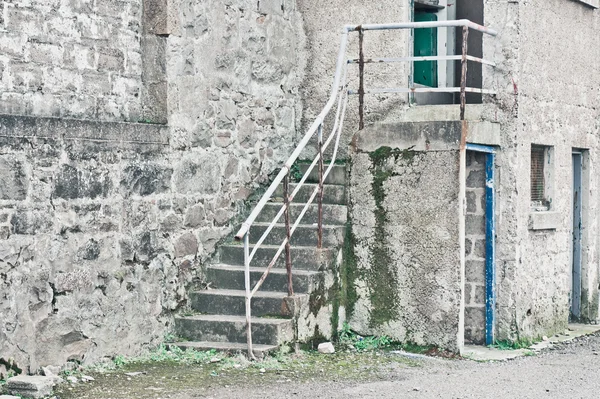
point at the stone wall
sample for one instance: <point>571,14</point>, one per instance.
<point>105,224</point>
<point>77,58</point>
<point>234,75</point>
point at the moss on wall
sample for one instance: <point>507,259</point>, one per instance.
<point>382,276</point>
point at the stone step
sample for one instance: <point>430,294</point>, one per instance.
<point>233,278</point>
<point>332,194</point>
<point>228,329</point>
<point>303,258</point>
<point>228,347</point>
<point>233,302</point>
<point>337,175</point>
<point>305,234</point>
<point>332,214</point>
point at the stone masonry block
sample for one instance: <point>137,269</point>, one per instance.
<point>475,271</point>
<point>479,297</point>
<point>46,53</point>
<point>145,179</point>
<point>198,174</point>
<point>479,249</point>
<point>26,221</point>
<point>110,59</point>
<point>476,179</point>
<point>186,245</point>
<point>30,386</point>
<point>474,324</point>
<point>154,102</point>
<point>475,224</point>
<point>161,17</point>
<point>471,202</point>
<point>74,183</point>
<point>271,7</point>
<point>13,179</point>
<point>154,66</point>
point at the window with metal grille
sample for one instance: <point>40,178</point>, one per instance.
<point>540,176</point>
<point>537,173</point>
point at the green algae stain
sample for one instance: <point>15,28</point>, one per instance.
<point>382,277</point>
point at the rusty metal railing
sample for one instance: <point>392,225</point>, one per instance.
<point>339,94</point>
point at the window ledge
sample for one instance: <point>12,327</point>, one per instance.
<point>544,220</point>
<point>590,3</point>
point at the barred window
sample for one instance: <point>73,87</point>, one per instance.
<point>540,177</point>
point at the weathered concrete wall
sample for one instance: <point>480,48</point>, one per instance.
<point>405,224</point>
<point>543,99</point>
<point>79,58</point>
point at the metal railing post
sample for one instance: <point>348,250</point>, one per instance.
<point>463,75</point>
<point>248,294</point>
<point>288,234</point>
<point>320,195</point>
<point>361,81</point>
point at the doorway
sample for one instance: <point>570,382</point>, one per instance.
<point>480,246</point>
<point>577,209</point>
<point>472,10</point>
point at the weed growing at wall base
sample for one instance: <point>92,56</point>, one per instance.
<point>168,353</point>
<point>351,339</point>
<point>507,345</point>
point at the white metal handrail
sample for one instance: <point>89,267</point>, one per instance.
<point>339,93</point>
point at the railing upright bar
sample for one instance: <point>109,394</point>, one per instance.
<point>463,75</point>
<point>361,80</point>
<point>320,195</point>
<point>248,295</point>
<point>288,249</point>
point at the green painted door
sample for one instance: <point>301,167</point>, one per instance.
<point>425,72</point>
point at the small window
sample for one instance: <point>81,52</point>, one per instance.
<point>541,169</point>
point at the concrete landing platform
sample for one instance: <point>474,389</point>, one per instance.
<point>484,353</point>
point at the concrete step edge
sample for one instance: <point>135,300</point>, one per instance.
<point>236,245</point>
<point>224,346</point>
<point>236,268</point>
<point>242,293</point>
<point>235,319</point>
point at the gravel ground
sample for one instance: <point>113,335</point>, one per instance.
<point>569,370</point>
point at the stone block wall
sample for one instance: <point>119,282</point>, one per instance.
<point>76,58</point>
<point>475,249</point>
<point>103,229</point>
<point>234,75</point>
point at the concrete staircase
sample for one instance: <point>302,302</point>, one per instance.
<point>220,322</point>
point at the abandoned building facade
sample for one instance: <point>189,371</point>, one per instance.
<point>138,136</point>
